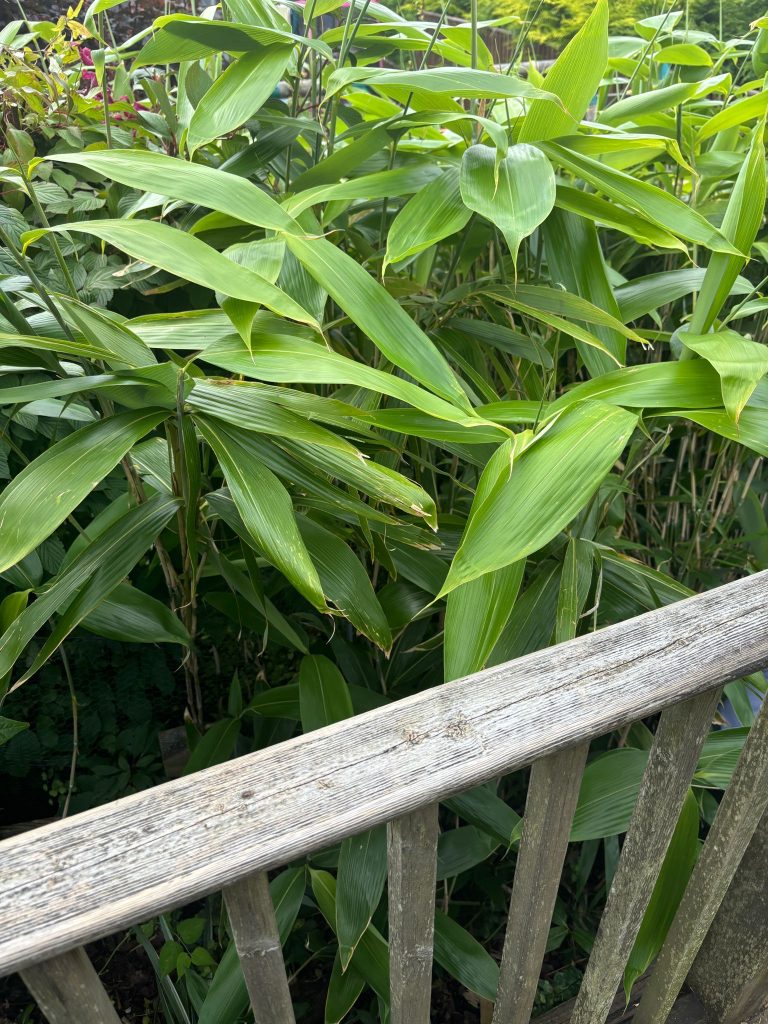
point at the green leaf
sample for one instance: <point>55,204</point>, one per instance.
<point>464,958</point>
<point>434,213</point>
<point>751,430</point>
<point>371,958</point>
<point>648,386</point>
<point>685,54</point>
<point>210,187</point>
<point>466,83</point>
<point>287,892</point>
<point>608,794</point>
<point>237,94</point>
<point>345,582</point>
<point>296,360</point>
<point>265,506</point>
<point>574,588</point>
<point>719,757</point>
<point>323,693</point>
<point>41,497</point>
<point>10,728</point>
<point>85,581</point>
<point>359,885</point>
<point>574,77</point>
<point>667,892</point>
<point>131,616</point>
<point>227,999</point>
<point>378,315</point>
<point>576,264</point>
<point>516,194</point>
<point>739,362</point>
<point>487,811</point>
<point>188,258</point>
<point>475,615</point>
<point>660,207</point>
<point>531,496</point>
<point>740,225</point>
<point>252,407</point>
<point>215,746</point>
<point>344,988</point>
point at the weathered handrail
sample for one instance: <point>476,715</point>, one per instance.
<point>87,876</point>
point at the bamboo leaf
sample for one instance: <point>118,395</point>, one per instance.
<point>739,362</point>
<point>323,693</point>
<point>516,194</point>
<point>359,885</point>
<point>210,187</point>
<point>296,360</point>
<point>188,258</point>
<point>89,578</point>
<point>434,213</point>
<point>741,223</point>
<point>237,94</point>
<point>345,582</point>
<point>574,78</point>
<point>662,208</point>
<point>378,316</point>
<point>536,493</point>
<point>475,615</point>
<point>464,958</point>
<point>266,508</point>
<point>42,496</point>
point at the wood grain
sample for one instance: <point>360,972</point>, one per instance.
<point>412,865</point>
<point>552,795</point>
<point>738,815</point>
<point>667,777</point>
<point>94,873</point>
<point>69,991</point>
<point>254,927</point>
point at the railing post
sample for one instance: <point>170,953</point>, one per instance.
<point>254,927</point>
<point>738,815</point>
<point>730,974</point>
<point>68,990</point>
<point>412,863</point>
<point>553,792</point>
<point>671,764</point>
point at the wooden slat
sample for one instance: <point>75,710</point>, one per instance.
<point>412,865</point>
<point>743,805</point>
<point>671,764</point>
<point>68,990</point>
<point>553,791</point>
<point>97,872</point>
<point>252,917</point>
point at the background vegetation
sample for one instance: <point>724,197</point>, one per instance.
<point>337,366</point>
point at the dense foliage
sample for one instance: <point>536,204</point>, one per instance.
<point>337,365</point>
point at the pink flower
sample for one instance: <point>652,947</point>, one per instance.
<point>85,56</point>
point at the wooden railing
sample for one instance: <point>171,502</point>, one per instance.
<point>87,876</point>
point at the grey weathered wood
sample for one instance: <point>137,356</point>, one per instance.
<point>730,973</point>
<point>94,873</point>
<point>553,791</point>
<point>254,927</point>
<point>68,990</point>
<point>671,764</point>
<point>738,815</point>
<point>412,866</point>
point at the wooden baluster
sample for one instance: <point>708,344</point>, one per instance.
<point>412,863</point>
<point>552,794</point>
<point>254,927</point>
<point>738,815</point>
<point>69,991</point>
<point>672,761</point>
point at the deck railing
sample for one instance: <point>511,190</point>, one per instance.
<point>88,876</point>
